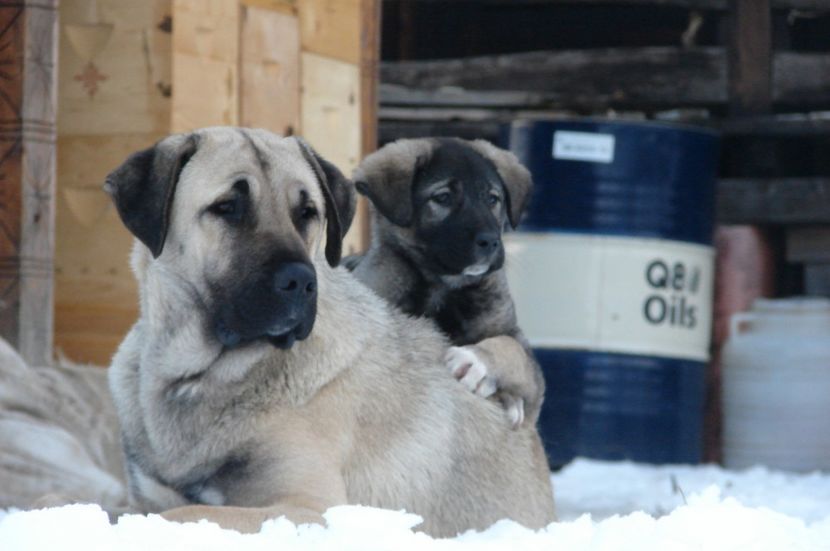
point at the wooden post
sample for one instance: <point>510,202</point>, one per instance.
<point>750,57</point>
<point>28,31</point>
<point>369,77</point>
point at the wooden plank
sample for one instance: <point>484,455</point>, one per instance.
<point>370,31</point>
<point>792,124</point>
<point>122,84</point>
<point>394,130</point>
<point>332,28</point>
<point>693,4</point>
<point>29,32</point>
<point>808,244</point>
<point>801,79</point>
<point>774,201</point>
<point>635,76</point>
<point>269,87</point>
<point>92,273</point>
<point>205,64</point>
<point>654,77</point>
<point>750,57</point>
<point>288,7</point>
<point>331,119</point>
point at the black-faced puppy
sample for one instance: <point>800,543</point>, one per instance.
<point>261,379</point>
<point>440,206</point>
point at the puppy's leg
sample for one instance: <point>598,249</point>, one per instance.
<point>503,367</point>
<point>470,370</point>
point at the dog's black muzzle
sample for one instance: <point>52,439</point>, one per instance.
<point>280,309</point>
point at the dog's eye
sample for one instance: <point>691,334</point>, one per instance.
<point>442,198</point>
<point>493,200</point>
<point>308,212</point>
<point>224,208</point>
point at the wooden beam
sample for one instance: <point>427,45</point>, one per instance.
<point>692,4</point>
<point>629,78</point>
<point>794,124</point>
<point>29,33</point>
<point>774,201</point>
<point>810,244</point>
<point>579,78</point>
<point>370,31</point>
<point>750,57</point>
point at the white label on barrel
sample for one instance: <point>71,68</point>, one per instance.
<point>612,294</point>
<point>583,146</point>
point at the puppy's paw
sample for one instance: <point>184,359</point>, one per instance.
<point>470,370</point>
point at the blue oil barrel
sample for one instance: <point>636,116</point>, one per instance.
<point>612,273</point>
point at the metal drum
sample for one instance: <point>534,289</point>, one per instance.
<point>612,274</point>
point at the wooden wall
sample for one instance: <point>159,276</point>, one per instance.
<point>292,66</point>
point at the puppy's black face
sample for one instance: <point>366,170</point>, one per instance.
<point>459,212</point>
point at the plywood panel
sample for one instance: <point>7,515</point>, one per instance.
<point>114,98</point>
<point>205,64</point>
<point>96,298</point>
<point>270,70</point>
<point>332,28</point>
<point>330,117</point>
<point>114,67</point>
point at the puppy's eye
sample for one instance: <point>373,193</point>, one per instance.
<point>308,212</point>
<point>224,208</point>
<point>493,200</point>
<point>442,198</point>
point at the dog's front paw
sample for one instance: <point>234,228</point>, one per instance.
<point>470,370</point>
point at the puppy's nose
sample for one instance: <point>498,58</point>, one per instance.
<point>488,242</point>
<point>295,279</point>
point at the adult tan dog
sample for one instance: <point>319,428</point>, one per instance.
<point>262,380</point>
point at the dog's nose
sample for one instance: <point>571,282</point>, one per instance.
<point>487,242</point>
<point>296,279</point>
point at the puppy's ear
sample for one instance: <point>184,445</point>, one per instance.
<point>338,193</point>
<point>142,188</point>
<point>386,177</point>
<point>515,177</point>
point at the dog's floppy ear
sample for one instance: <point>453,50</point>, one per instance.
<point>338,193</point>
<point>142,188</point>
<point>515,177</point>
<point>386,177</point>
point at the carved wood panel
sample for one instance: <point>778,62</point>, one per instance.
<point>28,39</point>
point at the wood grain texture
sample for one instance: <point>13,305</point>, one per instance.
<point>653,77</point>
<point>330,118</point>
<point>134,61</point>
<point>750,57</point>
<point>96,299</point>
<point>205,64</point>
<point>28,46</point>
<point>269,85</point>
<point>332,28</point>
<point>370,31</point>
<point>774,201</point>
<point>630,76</point>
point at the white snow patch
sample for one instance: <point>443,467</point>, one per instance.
<point>755,510</point>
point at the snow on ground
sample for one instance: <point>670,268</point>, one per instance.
<point>700,508</point>
<point>608,488</point>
